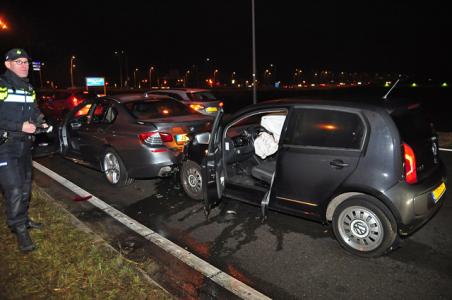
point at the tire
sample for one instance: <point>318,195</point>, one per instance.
<point>191,179</point>
<point>114,169</point>
<point>364,226</point>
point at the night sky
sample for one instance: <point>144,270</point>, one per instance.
<point>364,36</point>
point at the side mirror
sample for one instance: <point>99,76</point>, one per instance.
<point>203,138</point>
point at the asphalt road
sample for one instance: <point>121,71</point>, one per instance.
<point>285,257</point>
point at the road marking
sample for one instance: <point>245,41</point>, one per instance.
<point>445,149</point>
<point>216,275</point>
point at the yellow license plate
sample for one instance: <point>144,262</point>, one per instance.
<point>211,109</point>
<point>438,192</point>
<point>181,139</point>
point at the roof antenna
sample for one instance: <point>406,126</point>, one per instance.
<point>390,90</point>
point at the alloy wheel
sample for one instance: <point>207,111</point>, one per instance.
<point>111,168</point>
<point>360,228</point>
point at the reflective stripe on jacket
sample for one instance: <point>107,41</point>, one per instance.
<point>17,105</point>
<point>22,96</point>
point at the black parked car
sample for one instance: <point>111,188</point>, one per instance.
<point>371,170</point>
<point>129,136</point>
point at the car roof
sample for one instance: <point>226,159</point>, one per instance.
<point>363,102</point>
<point>187,90</point>
<point>129,97</point>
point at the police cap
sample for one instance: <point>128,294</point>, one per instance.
<point>16,53</point>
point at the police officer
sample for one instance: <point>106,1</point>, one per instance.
<point>19,118</point>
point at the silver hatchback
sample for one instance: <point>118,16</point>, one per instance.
<point>201,100</point>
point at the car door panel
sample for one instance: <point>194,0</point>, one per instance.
<point>213,166</point>
<point>74,125</point>
<point>320,150</point>
<point>95,134</point>
<point>90,142</point>
<point>307,177</point>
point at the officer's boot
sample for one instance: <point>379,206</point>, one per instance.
<point>23,238</point>
<point>33,225</point>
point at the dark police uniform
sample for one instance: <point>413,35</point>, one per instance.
<point>17,105</point>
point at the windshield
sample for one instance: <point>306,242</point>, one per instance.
<point>146,109</point>
<point>202,96</point>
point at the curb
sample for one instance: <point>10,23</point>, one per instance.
<point>214,283</point>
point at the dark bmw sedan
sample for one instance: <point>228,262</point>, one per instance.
<point>129,136</point>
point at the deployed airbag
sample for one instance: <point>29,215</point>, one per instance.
<point>266,143</point>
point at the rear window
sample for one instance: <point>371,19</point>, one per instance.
<point>202,96</point>
<point>412,124</point>
<point>153,109</point>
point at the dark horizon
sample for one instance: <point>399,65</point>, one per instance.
<point>381,37</point>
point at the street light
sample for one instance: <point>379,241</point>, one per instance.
<point>186,78</point>
<point>214,77</point>
<point>253,20</point>
<point>72,70</point>
<point>135,77</point>
<point>120,67</point>
<point>150,77</point>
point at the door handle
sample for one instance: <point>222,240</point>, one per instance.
<point>338,164</point>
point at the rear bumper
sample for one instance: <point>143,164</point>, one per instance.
<point>415,203</point>
<point>148,164</point>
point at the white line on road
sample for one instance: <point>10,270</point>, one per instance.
<point>219,277</point>
<point>445,149</point>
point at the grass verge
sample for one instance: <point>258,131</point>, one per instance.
<point>69,263</point>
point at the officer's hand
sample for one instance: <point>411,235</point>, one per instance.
<point>28,127</point>
<point>45,125</point>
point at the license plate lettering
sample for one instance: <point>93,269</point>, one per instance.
<point>181,138</point>
<point>438,192</point>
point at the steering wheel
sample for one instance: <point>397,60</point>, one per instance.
<point>253,132</point>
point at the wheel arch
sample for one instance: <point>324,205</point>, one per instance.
<point>338,199</point>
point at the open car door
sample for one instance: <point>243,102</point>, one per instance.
<point>45,142</point>
<point>213,166</point>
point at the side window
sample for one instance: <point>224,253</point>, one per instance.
<point>325,128</point>
<point>83,111</point>
<point>81,116</point>
<point>104,113</point>
<point>175,96</point>
<point>110,115</point>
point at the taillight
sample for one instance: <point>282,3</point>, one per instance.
<point>410,164</point>
<point>197,106</point>
<point>166,137</point>
<point>155,138</point>
<point>220,104</point>
<point>75,101</point>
